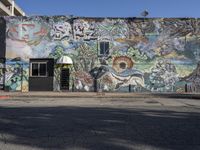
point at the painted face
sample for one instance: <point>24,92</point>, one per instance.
<point>29,32</point>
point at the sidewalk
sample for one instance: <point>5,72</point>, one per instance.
<point>100,95</point>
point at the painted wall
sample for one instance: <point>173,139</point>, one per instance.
<point>2,51</point>
<point>145,55</point>
<point>2,37</point>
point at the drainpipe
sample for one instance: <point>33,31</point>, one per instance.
<point>13,8</point>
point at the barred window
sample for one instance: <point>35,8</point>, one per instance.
<point>104,48</point>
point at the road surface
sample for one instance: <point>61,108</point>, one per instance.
<point>99,124</point>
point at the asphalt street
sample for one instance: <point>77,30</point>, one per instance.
<point>99,124</point>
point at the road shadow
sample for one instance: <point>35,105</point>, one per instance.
<point>100,128</point>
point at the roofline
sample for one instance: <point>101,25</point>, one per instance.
<point>81,17</point>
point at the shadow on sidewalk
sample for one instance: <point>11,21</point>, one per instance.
<point>99,128</point>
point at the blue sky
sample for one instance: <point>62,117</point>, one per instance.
<point>112,8</point>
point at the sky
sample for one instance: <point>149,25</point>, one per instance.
<point>111,8</point>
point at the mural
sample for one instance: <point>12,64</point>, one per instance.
<point>2,68</point>
<point>110,54</point>
<point>16,77</point>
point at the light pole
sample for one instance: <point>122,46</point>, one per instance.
<point>144,14</point>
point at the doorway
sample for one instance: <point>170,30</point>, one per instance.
<point>64,79</point>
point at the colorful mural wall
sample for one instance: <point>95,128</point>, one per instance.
<point>143,55</point>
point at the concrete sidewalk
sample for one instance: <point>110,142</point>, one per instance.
<point>99,94</point>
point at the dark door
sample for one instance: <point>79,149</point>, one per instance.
<point>64,79</point>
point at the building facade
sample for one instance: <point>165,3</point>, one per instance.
<point>107,54</point>
<point>10,8</point>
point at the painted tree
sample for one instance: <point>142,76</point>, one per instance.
<point>163,77</point>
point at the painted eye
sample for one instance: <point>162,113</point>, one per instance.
<point>121,63</point>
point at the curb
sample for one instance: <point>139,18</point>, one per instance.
<point>98,95</point>
<point>4,97</point>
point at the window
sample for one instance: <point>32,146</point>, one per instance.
<point>104,48</point>
<point>43,69</point>
<point>39,69</point>
<point>35,70</point>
